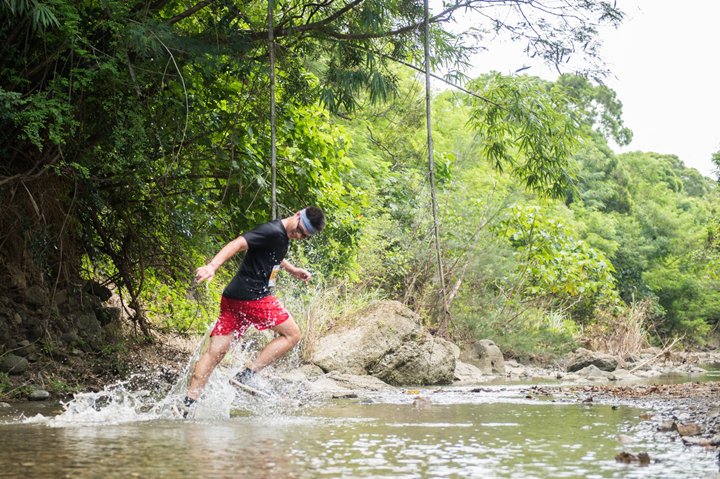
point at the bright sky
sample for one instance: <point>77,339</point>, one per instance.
<point>664,63</point>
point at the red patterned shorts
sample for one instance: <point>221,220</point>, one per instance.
<point>238,316</point>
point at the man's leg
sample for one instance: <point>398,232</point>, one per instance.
<point>219,345</point>
<point>289,335</point>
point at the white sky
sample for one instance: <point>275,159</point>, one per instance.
<point>665,68</point>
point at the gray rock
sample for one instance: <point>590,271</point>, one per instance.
<point>17,318</point>
<point>417,364</point>
<point>36,296</point>
<point>13,365</point>
<point>375,330</point>
<point>485,356</point>
<point>584,358</point>
<point>593,372</point>
<point>4,404</point>
<point>39,395</point>
<point>465,372</point>
<point>337,383</point>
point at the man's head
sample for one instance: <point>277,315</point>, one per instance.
<point>310,221</point>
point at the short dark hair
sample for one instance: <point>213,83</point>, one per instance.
<point>316,217</point>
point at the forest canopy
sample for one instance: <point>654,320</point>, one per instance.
<point>135,142</point>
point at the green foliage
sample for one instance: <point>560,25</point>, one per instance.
<point>557,263</point>
<point>528,130</point>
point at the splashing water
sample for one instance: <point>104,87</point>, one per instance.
<point>126,402</point>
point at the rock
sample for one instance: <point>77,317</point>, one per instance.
<point>39,395</point>
<point>108,315</point>
<point>378,329</point>
<point>96,289</point>
<point>688,429</point>
<point>622,375</point>
<point>337,383</point>
<point>417,364</point>
<point>61,297</point>
<point>584,358</point>
<point>642,459</point>
<point>4,404</point>
<point>26,349</point>
<point>88,325</point>
<point>35,296</point>
<point>70,338</point>
<point>592,372</point>
<point>303,373</point>
<point>13,365</point>
<point>455,350</point>
<point>468,373</point>
<point>485,356</point>
<point>422,403</point>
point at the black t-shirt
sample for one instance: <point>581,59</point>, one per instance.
<point>268,244</point>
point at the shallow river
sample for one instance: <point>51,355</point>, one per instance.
<point>497,432</point>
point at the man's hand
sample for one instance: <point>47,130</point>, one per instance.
<point>206,272</point>
<point>301,274</point>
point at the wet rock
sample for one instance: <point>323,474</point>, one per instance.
<point>688,429</point>
<point>584,358</point>
<point>417,364</point>
<point>422,403</point>
<point>667,426</point>
<point>39,395</point>
<point>642,459</point>
<point>4,404</point>
<point>13,365</point>
<point>35,296</point>
<point>378,329</point>
<point>96,289</point>
<point>485,356</point>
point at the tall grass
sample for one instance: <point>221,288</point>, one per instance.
<point>620,332</point>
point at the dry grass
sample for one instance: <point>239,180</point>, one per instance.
<point>323,308</point>
<point>620,333</point>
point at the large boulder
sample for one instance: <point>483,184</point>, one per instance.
<point>584,358</point>
<point>485,356</point>
<point>417,364</point>
<point>371,333</point>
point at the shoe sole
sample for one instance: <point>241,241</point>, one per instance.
<point>247,388</point>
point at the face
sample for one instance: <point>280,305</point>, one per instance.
<point>299,232</point>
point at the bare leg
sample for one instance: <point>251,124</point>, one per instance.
<point>219,345</point>
<point>289,337</point>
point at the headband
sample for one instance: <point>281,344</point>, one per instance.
<point>306,223</point>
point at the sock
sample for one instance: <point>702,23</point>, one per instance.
<point>188,401</point>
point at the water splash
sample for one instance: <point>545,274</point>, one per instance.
<point>142,398</point>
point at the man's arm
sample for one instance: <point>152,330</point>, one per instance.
<point>208,271</point>
<point>297,273</point>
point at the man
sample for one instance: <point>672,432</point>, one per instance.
<point>247,299</point>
